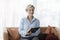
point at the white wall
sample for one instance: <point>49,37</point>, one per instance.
<point>2,19</point>
<point>46,11</point>
<point>15,11</point>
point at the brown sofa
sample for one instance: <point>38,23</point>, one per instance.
<point>12,33</point>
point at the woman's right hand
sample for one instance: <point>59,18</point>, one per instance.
<point>28,33</point>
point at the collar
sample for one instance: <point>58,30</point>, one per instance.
<point>32,19</point>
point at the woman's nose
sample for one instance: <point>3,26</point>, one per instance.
<point>31,11</point>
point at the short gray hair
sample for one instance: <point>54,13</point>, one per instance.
<point>29,6</point>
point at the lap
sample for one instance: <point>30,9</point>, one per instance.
<point>39,37</point>
<point>23,39</point>
<point>34,38</point>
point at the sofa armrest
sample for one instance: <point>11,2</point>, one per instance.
<point>13,34</point>
<point>5,36</point>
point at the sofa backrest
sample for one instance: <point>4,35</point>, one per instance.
<point>42,29</point>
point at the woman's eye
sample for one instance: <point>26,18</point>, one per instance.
<point>31,9</point>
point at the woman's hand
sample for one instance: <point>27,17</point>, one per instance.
<point>28,33</point>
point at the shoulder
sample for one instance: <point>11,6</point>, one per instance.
<point>23,18</point>
<point>37,19</point>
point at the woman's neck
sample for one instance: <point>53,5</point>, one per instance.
<point>30,18</point>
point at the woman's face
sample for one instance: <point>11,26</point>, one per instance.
<point>30,11</point>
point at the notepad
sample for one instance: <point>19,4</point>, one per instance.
<point>33,30</point>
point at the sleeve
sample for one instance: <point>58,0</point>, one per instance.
<point>38,23</point>
<point>38,31</point>
<point>21,28</point>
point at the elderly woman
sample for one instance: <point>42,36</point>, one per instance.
<point>27,23</point>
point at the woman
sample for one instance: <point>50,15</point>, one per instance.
<point>27,23</point>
